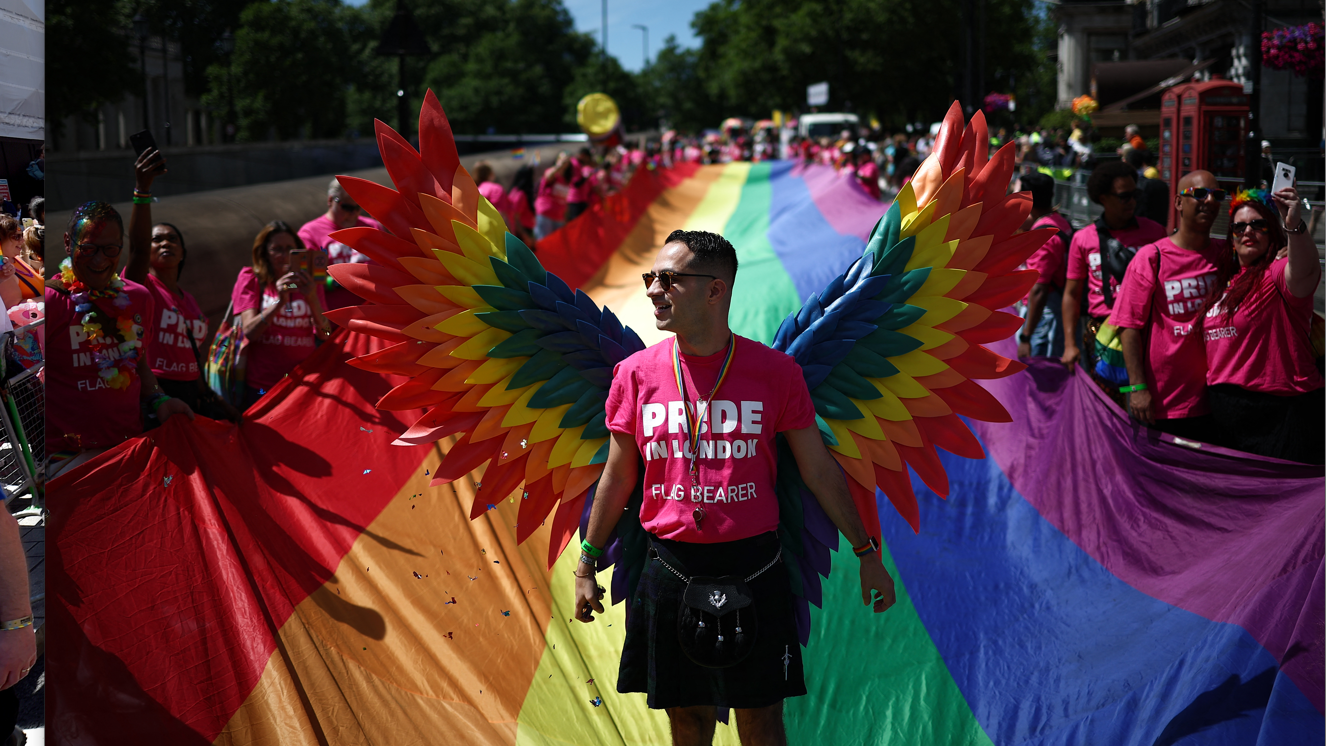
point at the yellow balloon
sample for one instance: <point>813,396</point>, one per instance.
<point>597,114</point>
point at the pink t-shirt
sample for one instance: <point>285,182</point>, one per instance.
<point>288,338</point>
<point>1167,313</point>
<point>1084,258</point>
<point>517,206</point>
<point>82,411</point>
<point>763,394</point>
<point>868,174</point>
<point>1265,346</point>
<point>316,234</point>
<point>1051,259</point>
<point>582,183</point>
<point>169,352</point>
<point>494,193</point>
<point>550,201</point>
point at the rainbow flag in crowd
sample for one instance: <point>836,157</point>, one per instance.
<point>296,581</point>
<point>518,153</point>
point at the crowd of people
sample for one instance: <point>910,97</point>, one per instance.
<point>1204,338</point>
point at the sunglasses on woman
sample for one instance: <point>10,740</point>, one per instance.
<point>666,278</point>
<point>1201,193</point>
<point>1261,226</point>
<point>347,207</point>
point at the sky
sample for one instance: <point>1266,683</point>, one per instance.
<point>625,42</point>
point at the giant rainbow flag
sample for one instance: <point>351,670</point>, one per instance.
<point>295,580</point>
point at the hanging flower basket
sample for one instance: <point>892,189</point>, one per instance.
<point>1298,48</point>
<point>1085,106</point>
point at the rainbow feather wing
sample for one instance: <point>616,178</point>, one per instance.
<point>499,352</point>
<point>891,349</point>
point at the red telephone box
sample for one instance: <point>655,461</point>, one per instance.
<point>1203,126</point>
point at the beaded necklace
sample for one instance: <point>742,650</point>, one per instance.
<point>117,362</point>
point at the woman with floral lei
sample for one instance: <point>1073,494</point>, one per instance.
<point>96,377</point>
<point>1264,388</point>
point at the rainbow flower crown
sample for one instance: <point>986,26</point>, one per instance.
<point>1244,196</point>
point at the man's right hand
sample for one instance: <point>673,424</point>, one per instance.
<point>1071,355</point>
<point>1139,406</point>
<point>18,654</point>
<point>147,168</point>
<point>587,598</point>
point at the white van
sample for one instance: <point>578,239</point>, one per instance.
<point>826,125</point>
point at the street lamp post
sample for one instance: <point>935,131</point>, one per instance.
<point>403,38</point>
<point>140,30</point>
<point>645,31</point>
<point>228,47</point>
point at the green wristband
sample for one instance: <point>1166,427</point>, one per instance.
<point>1134,387</point>
<point>589,549</point>
<point>142,200</point>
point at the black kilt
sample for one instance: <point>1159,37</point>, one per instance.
<point>652,658</point>
<point>1284,427</point>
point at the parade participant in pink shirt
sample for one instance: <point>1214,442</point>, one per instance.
<point>1160,311</point>
<point>342,212</point>
<point>500,199</point>
<point>583,172</point>
<point>867,173</point>
<point>179,335</point>
<point>97,377</point>
<point>550,202</point>
<point>706,405</point>
<point>1042,333</point>
<point>1265,391</point>
<point>1113,185</point>
<point>280,310</point>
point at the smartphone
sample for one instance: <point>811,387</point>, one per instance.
<point>299,261</point>
<point>142,141</point>
<point>1284,177</point>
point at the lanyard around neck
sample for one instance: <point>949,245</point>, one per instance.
<point>695,420</point>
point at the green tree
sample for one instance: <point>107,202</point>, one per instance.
<point>898,60</point>
<point>675,92</point>
<point>90,65</point>
<point>290,71</point>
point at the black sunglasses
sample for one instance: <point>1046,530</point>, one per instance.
<point>666,278</point>
<point>1123,196</point>
<point>109,250</point>
<point>1261,226</point>
<point>1201,193</point>
<point>347,208</point>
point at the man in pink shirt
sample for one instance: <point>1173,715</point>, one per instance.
<point>1042,333</point>
<point>1113,185</point>
<point>1160,311</point>
<point>342,212</point>
<point>701,410</point>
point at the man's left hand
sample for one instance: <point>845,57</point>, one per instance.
<point>172,407</point>
<point>875,578</point>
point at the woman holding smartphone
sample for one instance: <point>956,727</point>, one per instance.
<point>280,310</point>
<point>156,261</point>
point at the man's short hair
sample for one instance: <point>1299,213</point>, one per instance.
<point>334,189</point>
<point>1132,129</point>
<point>1135,158</point>
<point>711,251</point>
<point>1041,187</point>
<point>1102,178</point>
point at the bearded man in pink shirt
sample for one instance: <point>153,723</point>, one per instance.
<point>1160,311</point>
<point>706,405</point>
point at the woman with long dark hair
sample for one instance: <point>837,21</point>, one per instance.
<point>156,261</point>
<point>280,311</point>
<point>1263,385</point>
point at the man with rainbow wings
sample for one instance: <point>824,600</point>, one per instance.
<point>518,365</point>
